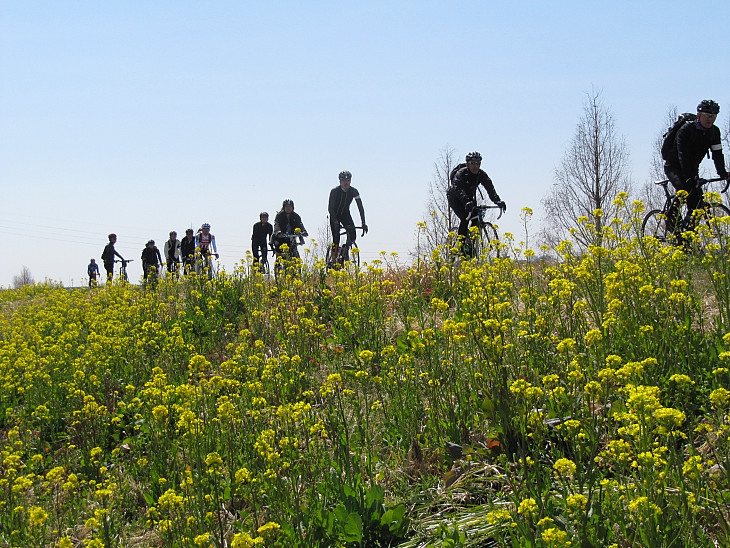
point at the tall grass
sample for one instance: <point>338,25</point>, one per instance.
<point>515,402</point>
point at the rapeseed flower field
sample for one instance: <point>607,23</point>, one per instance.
<point>510,401</point>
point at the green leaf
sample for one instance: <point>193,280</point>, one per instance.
<point>353,528</point>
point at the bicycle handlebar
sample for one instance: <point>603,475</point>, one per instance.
<point>485,206</point>
<point>701,182</point>
<point>125,261</point>
<point>343,231</point>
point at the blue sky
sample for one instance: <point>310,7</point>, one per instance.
<point>142,117</point>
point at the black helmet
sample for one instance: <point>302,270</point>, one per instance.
<point>287,202</point>
<point>345,176</point>
<point>263,214</point>
<point>473,157</point>
<point>708,107</point>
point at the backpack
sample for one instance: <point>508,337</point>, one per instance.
<point>453,171</point>
<point>670,137</point>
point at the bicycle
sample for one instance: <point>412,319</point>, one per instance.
<point>487,239</point>
<point>347,252</point>
<point>655,223</point>
<point>123,269</point>
<point>289,256</point>
<point>204,264</point>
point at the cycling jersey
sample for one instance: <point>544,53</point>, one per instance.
<point>205,242</point>
<point>261,232</point>
<point>464,185</point>
<point>693,142</point>
<point>287,224</point>
<point>340,200</point>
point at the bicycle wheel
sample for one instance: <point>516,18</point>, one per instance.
<point>654,225</point>
<point>355,257</point>
<point>329,263</point>
<point>485,245</point>
<point>713,229</point>
<point>490,240</point>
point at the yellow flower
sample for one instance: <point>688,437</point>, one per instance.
<point>720,398</point>
<point>528,507</point>
<point>37,516</point>
<point>564,467</point>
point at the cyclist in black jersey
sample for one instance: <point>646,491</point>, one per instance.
<point>107,257</point>
<point>260,237</point>
<point>187,251</point>
<point>462,192</point>
<point>286,223</point>
<point>694,139</point>
<point>339,210</point>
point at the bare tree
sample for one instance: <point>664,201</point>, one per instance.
<point>438,220</point>
<point>593,171</point>
<point>24,278</point>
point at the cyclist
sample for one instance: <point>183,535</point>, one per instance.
<point>286,223</point>
<point>172,253</point>
<point>93,271</point>
<point>682,162</point>
<point>339,209</point>
<point>107,257</point>
<point>462,192</point>
<point>262,231</point>
<point>205,241</point>
<point>151,260</point>
<point>187,251</point>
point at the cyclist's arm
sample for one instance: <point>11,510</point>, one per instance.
<point>717,155</point>
<point>212,243</point>
<point>487,183</point>
<point>360,208</point>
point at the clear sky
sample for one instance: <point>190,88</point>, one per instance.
<point>142,117</point>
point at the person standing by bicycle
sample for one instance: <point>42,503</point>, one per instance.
<point>262,232</point>
<point>339,210</point>
<point>462,191</point>
<point>187,251</point>
<point>107,257</point>
<point>151,260</point>
<point>205,241</point>
<point>693,140</point>
<point>286,224</point>
<point>93,271</point>
<point>172,254</point>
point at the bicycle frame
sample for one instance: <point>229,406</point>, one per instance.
<point>123,268</point>
<point>669,197</point>
<point>343,253</point>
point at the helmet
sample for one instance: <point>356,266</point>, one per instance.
<point>263,214</point>
<point>473,157</point>
<point>708,107</point>
<point>287,202</point>
<point>112,236</point>
<point>205,225</point>
<point>150,242</point>
<point>345,176</point>
<point>189,231</point>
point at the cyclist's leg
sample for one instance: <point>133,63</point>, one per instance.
<point>677,181</point>
<point>335,231</point>
<point>459,209</point>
